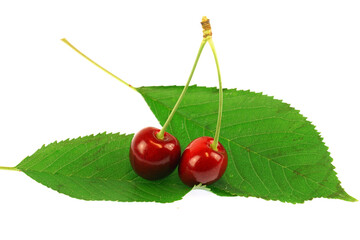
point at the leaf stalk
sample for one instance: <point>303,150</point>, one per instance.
<point>9,168</point>
<point>93,62</point>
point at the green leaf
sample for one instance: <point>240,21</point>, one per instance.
<point>98,168</point>
<point>274,152</point>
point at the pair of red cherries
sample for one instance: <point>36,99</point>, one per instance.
<point>155,154</point>
<point>153,158</point>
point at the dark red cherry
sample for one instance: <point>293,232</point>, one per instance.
<point>151,157</point>
<point>201,164</point>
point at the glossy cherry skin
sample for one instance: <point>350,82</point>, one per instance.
<point>201,164</point>
<point>151,157</point>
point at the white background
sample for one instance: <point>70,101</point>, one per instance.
<point>304,52</point>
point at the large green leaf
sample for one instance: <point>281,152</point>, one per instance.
<point>98,168</point>
<point>274,152</point>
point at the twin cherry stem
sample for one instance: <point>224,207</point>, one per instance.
<point>160,134</point>
<point>206,38</point>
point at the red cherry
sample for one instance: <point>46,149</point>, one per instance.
<point>151,157</point>
<point>201,164</point>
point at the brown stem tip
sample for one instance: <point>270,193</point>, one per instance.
<point>205,23</point>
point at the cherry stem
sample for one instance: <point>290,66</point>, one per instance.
<point>9,168</point>
<point>218,125</point>
<point>160,134</point>
<point>93,62</point>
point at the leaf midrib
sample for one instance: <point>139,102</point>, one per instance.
<point>104,179</point>
<point>73,174</point>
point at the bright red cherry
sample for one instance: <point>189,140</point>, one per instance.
<point>201,164</point>
<point>151,157</point>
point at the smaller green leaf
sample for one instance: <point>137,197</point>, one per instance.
<point>98,168</point>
